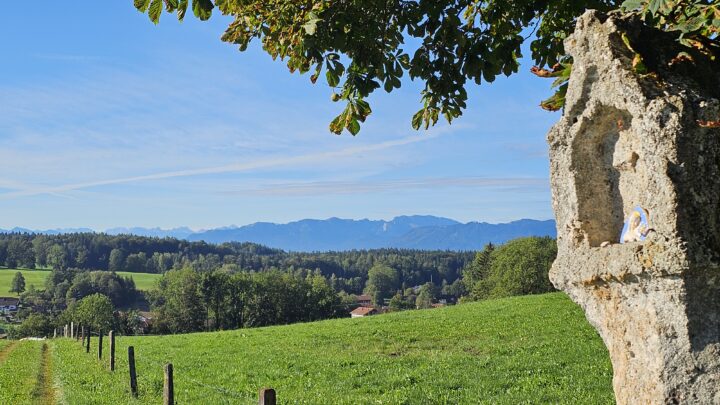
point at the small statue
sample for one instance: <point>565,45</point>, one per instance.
<point>637,226</point>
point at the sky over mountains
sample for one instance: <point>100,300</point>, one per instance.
<point>411,232</point>
<point>108,119</point>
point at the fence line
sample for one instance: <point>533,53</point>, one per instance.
<point>266,396</point>
<point>221,390</point>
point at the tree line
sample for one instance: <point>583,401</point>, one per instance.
<point>138,254</point>
<point>197,296</point>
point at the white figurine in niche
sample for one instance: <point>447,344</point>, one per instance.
<point>637,226</point>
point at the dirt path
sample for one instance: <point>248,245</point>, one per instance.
<point>4,353</point>
<point>43,392</point>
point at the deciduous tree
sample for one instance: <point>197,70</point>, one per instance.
<point>382,283</point>
<point>95,311</point>
<point>362,46</point>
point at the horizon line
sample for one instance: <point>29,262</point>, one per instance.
<point>82,229</point>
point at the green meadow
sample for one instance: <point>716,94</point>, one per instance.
<point>143,281</point>
<point>532,349</point>
<point>32,277</point>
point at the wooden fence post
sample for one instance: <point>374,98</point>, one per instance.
<point>54,333</point>
<point>65,331</point>
<point>72,330</point>
<point>267,396</point>
<point>131,367</point>
<point>111,339</point>
<point>100,336</point>
<point>82,334</point>
<point>168,390</point>
<point>87,348</point>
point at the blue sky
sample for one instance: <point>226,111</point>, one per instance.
<point>108,120</point>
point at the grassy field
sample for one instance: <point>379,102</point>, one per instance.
<point>32,277</point>
<point>535,349</point>
<point>143,281</point>
<point>23,378</point>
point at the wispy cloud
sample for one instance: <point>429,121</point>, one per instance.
<point>372,186</point>
<point>283,161</point>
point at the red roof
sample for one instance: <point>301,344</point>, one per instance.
<point>362,311</point>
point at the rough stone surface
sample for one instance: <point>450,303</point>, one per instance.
<point>625,140</point>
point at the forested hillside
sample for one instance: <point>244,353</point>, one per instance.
<point>92,251</point>
<point>203,286</point>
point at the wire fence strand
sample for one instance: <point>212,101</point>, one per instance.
<point>179,375</point>
<point>186,377</point>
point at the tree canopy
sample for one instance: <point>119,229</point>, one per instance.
<point>519,267</point>
<point>360,46</point>
<point>382,282</point>
<point>95,311</point>
<point>18,283</point>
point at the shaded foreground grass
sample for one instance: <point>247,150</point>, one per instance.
<point>143,281</point>
<point>534,349</point>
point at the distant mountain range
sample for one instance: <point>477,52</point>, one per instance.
<point>179,233</point>
<point>46,231</point>
<point>410,232</point>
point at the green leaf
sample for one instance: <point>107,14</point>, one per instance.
<point>311,25</point>
<point>318,69</point>
<point>202,9</point>
<point>404,60</point>
<point>557,101</point>
<point>626,41</point>
<point>388,86</point>
<point>654,6</point>
<point>142,5</point>
<point>363,109</point>
<point>417,120</point>
<point>638,65</point>
<point>336,125</point>
<point>182,9</point>
<point>171,5</point>
<point>353,126</point>
<point>155,10</point>
<point>332,78</point>
<point>632,5</point>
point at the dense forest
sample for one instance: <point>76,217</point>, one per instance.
<point>349,270</point>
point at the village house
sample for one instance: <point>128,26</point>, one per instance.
<point>360,312</point>
<point>364,300</point>
<point>8,305</point>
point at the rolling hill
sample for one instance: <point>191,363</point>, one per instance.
<point>532,349</point>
